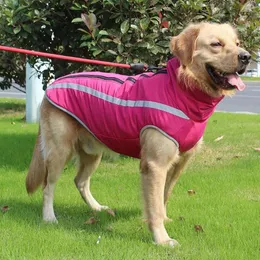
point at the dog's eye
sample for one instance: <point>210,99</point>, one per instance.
<point>237,43</point>
<point>216,44</point>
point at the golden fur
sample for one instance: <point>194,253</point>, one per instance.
<point>60,136</point>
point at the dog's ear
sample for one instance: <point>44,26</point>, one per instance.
<point>184,44</point>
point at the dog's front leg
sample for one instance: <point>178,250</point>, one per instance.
<point>172,177</point>
<point>157,155</point>
<point>175,171</point>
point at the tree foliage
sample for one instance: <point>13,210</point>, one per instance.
<point>123,31</point>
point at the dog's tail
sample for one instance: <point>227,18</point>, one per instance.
<point>37,173</point>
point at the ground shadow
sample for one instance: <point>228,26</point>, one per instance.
<point>71,217</point>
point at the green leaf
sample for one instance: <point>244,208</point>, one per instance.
<point>84,44</point>
<point>75,8</point>
<point>144,23</point>
<point>120,48</point>
<point>112,52</point>
<point>117,41</point>
<point>21,8</point>
<point>163,44</point>
<point>103,32</point>
<point>82,30</point>
<point>164,30</point>
<point>96,52</point>
<point>85,37</point>
<point>133,26</point>
<point>143,45</point>
<point>77,20</point>
<point>153,2</point>
<point>119,58</point>
<point>156,20</point>
<point>106,40</point>
<point>27,28</point>
<point>46,22</point>
<point>124,26</point>
<point>17,29</point>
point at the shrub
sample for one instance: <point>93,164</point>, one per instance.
<point>123,31</point>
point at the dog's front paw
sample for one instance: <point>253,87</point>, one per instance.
<point>50,219</point>
<point>171,243</point>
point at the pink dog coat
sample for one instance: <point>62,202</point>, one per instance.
<point>117,108</point>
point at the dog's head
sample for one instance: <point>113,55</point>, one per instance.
<point>211,57</point>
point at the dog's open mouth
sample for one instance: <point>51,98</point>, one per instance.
<point>227,81</point>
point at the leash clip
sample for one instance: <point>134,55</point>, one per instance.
<point>140,68</point>
<point>152,68</point>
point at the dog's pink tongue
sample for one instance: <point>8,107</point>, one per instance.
<point>236,81</point>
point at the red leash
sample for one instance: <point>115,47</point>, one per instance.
<point>137,66</point>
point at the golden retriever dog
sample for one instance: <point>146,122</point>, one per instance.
<point>208,59</point>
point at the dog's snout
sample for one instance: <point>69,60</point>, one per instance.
<point>244,57</point>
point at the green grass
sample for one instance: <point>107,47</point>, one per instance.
<point>225,176</point>
<point>250,78</point>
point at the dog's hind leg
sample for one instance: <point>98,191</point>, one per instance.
<point>58,141</point>
<point>88,163</point>
<point>54,164</point>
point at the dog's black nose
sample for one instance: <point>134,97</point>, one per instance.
<point>244,57</point>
